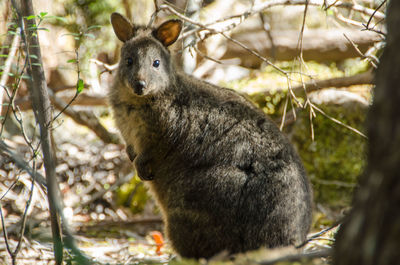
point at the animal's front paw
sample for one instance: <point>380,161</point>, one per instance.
<point>143,168</point>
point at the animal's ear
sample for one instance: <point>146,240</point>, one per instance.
<point>168,32</point>
<point>123,28</point>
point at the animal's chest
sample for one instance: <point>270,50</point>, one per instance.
<point>136,124</point>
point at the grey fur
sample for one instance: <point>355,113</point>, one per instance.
<point>222,173</point>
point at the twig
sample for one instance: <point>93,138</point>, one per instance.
<point>268,4</point>
<point>255,53</point>
<point>348,20</point>
<point>77,92</point>
<point>206,56</point>
<point>301,61</point>
<point>373,14</point>
<point>214,31</point>
<point>316,235</point>
<point>154,15</point>
<point>13,95</point>
<point>339,122</point>
<point>300,41</point>
<point>284,113</point>
<point>334,183</point>
<point>370,59</point>
<point>183,17</point>
<point>267,30</point>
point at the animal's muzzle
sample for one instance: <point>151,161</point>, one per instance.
<point>139,86</point>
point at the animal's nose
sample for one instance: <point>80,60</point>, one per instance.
<point>139,86</point>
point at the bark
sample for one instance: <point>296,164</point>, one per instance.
<point>371,232</point>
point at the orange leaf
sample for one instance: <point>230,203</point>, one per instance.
<point>159,240</point>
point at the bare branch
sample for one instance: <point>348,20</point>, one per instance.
<point>370,59</point>
<point>340,4</point>
<point>339,122</point>
<point>255,53</point>
<point>237,19</point>
<point>373,14</point>
<point>316,235</point>
<point>154,15</point>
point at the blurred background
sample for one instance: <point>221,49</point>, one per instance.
<point>309,67</point>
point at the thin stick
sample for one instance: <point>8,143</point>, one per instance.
<point>370,59</point>
<point>339,122</point>
<point>373,14</point>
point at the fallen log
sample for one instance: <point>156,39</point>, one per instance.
<point>365,78</point>
<point>318,45</point>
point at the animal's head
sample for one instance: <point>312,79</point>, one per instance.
<point>145,66</point>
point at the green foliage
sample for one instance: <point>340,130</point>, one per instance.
<point>79,86</point>
<point>133,195</point>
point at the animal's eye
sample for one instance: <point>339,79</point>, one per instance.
<point>129,61</point>
<point>156,63</point>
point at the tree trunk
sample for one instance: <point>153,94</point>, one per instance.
<point>371,232</point>
<point>43,114</point>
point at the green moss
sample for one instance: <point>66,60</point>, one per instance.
<point>336,157</point>
<point>133,195</point>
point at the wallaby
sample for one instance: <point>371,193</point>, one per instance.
<point>223,174</point>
